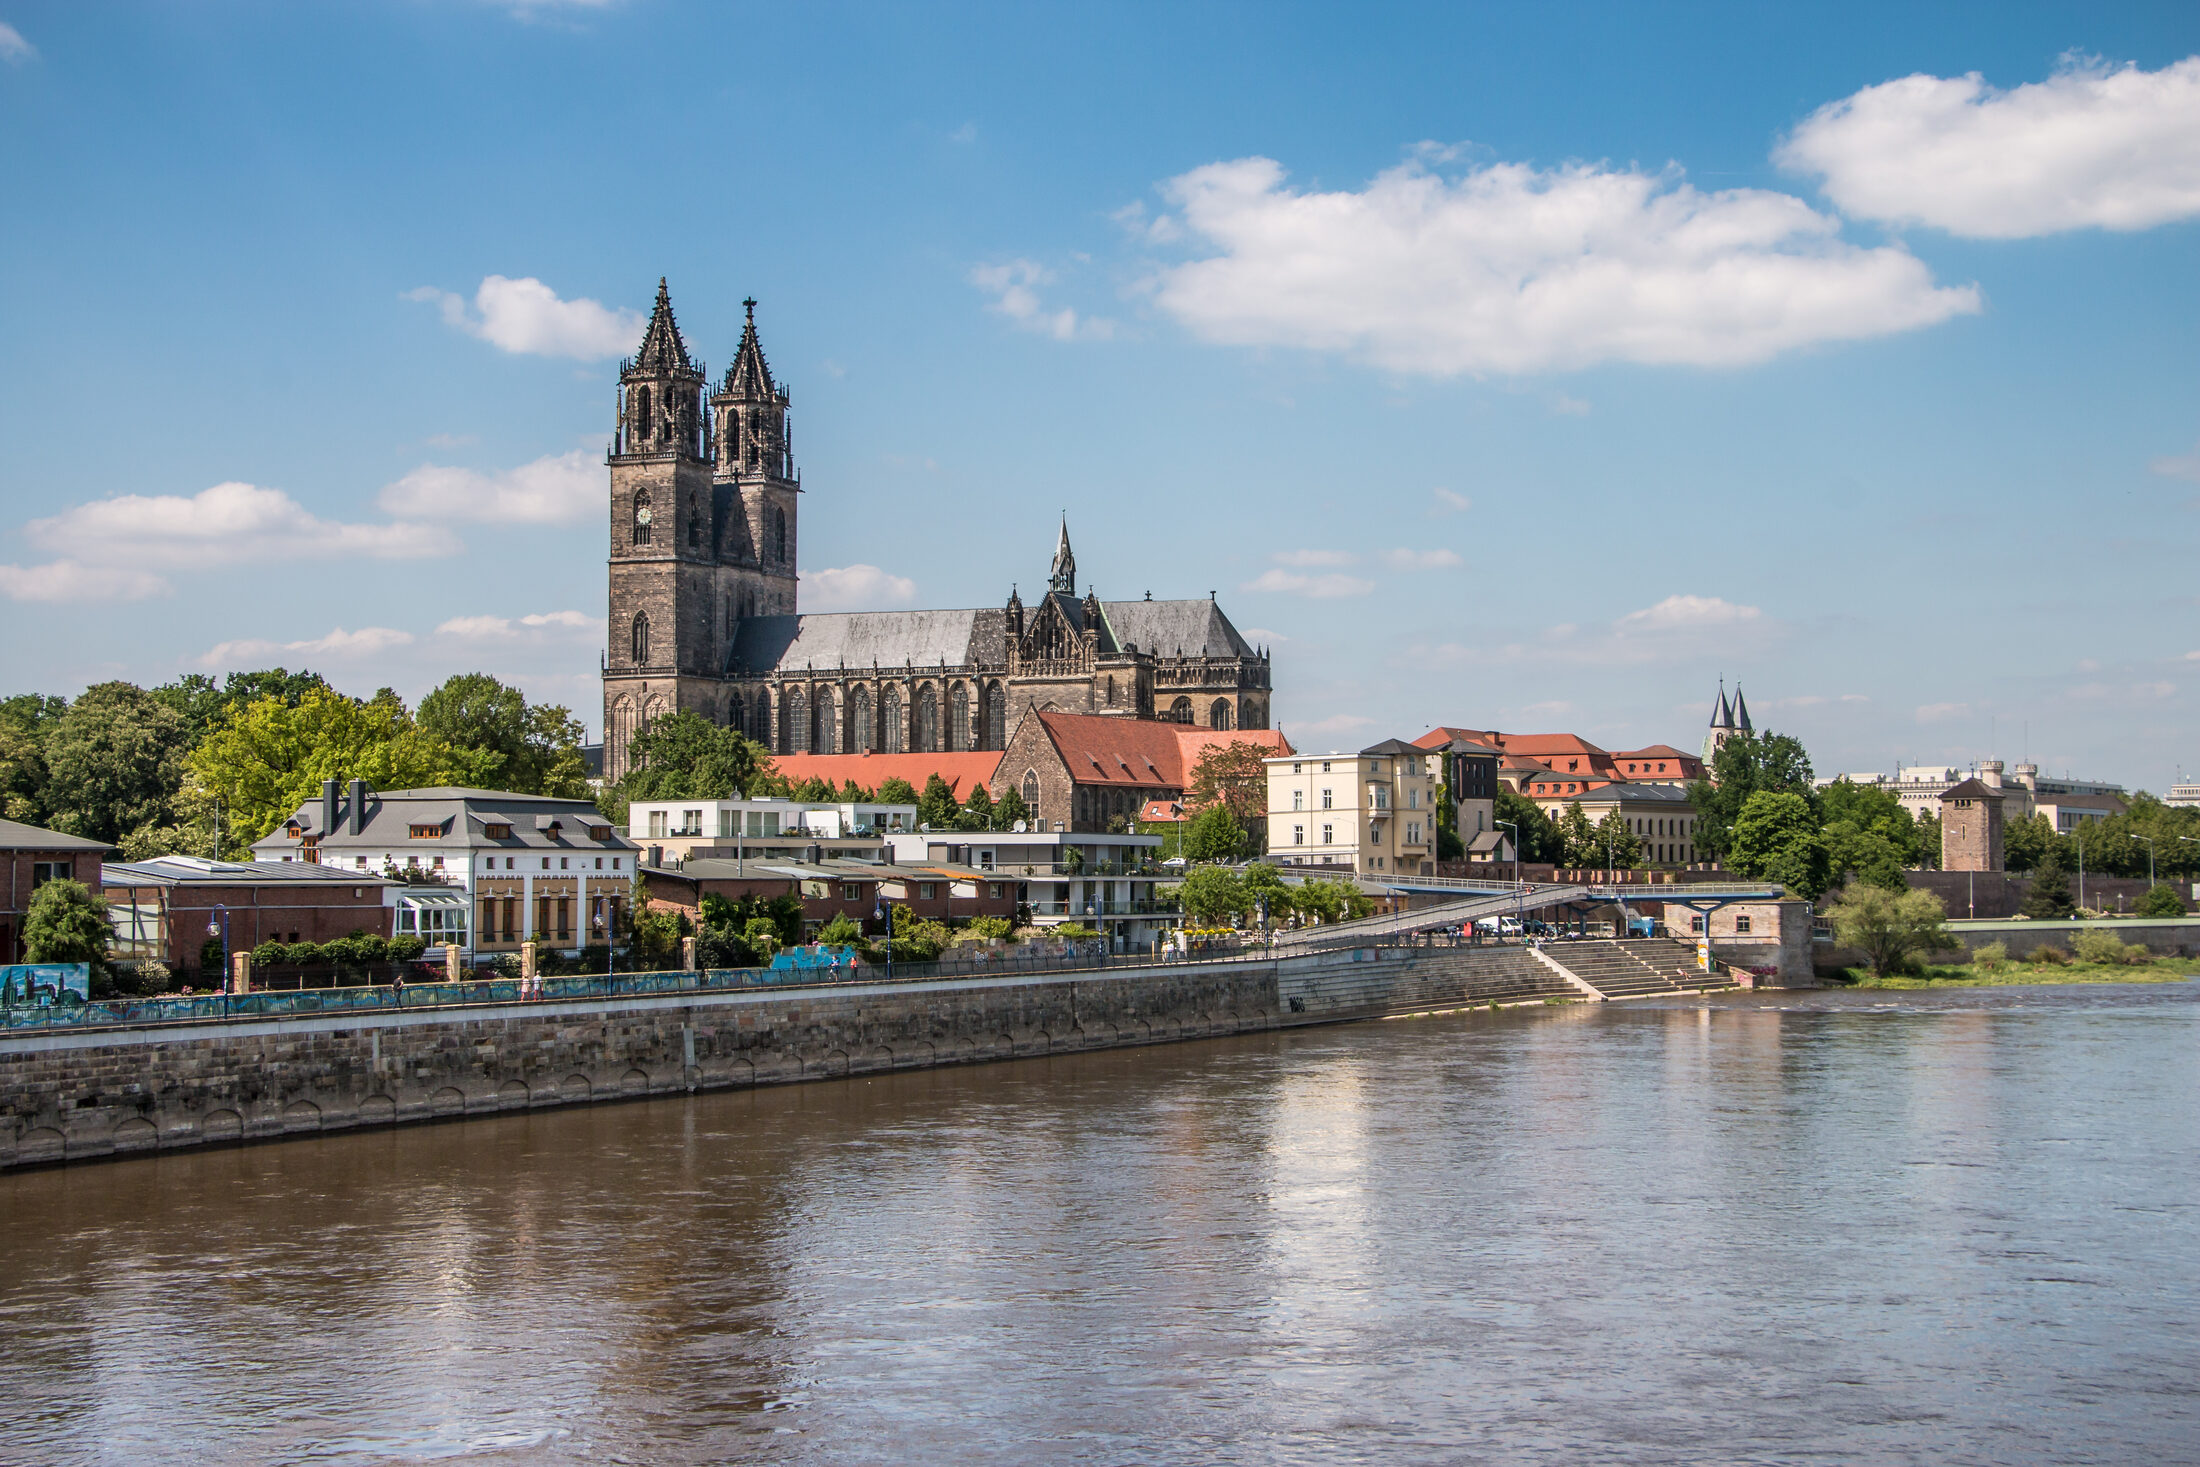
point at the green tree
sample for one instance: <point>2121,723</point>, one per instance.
<point>1617,845</point>
<point>1332,900</point>
<point>1541,842</point>
<point>2026,841</point>
<point>937,806</point>
<point>684,756</point>
<point>1009,810</point>
<point>284,686</point>
<point>113,762</point>
<point>1743,766</point>
<point>1776,838</point>
<point>529,750</point>
<point>1865,854</point>
<point>1231,775</point>
<point>1449,847</point>
<point>1928,842</point>
<point>840,931</point>
<point>977,811</point>
<point>66,924</point>
<point>1213,835</point>
<point>1264,884</point>
<point>896,791</point>
<point>24,722</point>
<point>2160,901</point>
<point>1891,929</point>
<point>2047,895</point>
<point>1211,896</point>
<point>1579,838</point>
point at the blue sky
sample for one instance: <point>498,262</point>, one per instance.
<point>1528,367</point>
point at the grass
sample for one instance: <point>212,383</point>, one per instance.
<point>1964,975</point>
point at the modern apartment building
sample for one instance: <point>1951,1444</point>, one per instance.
<point>2067,803</point>
<point>1374,811</point>
<point>679,830</point>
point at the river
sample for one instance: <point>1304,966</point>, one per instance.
<point>1958,1227</point>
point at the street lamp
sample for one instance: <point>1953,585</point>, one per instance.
<point>1520,884</point>
<point>610,938</point>
<point>219,927</point>
<point>2150,858</point>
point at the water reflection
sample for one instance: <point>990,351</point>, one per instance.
<point>1957,1229</point>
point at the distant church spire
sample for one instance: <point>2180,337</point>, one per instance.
<point>1722,716</point>
<point>1741,711</point>
<point>662,349</point>
<point>1063,575</point>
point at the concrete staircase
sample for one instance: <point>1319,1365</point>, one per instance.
<point>1635,968</point>
<point>1322,988</point>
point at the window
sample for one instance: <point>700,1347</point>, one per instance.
<point>497,832</point>
<point>425,832</point>
<point>413,861</point>
<point>360,862</point>
<point>1327,802</point>
<point>657,823</point>
<point>641,638</point>
<point>1298,799</point>
<point>45,871</point>
<point>599,863</point>
<point>508,862</point>
<point>1298,835</point>
<point>691,823</point>
<point>1325,766</point>
<point>1295,769</point>
<point>850,892</point>
<point>1741,926</point>
<point>438,863</point>
<point>641,516</point>
<point>614,863</point>
<point>993,890</point>
<point>1695,924</point>
<point>565,863</point>
<point>545,863</point>
<point>599,832</point>
<point>927,890</point>
<point>1329,835</point>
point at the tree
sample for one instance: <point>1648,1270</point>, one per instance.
<point>2026,841</point>
<point>529,750</point>
<point>937,806</point>
<point>897,791</point>
<point>1231,774</point>
<point>1009,810</point>
<point>1867,855</point>
<point>1213,835</point>
<point>286,687</point>
<point>66,924</point>
<point>1618,847</point>
<point>1743,766</point>
<point>1890,928</point>
<point>2047,895</point>
<point>1578,839</point>
<point>1776,839</point>
<point>2160,901</point>
<point>1331,900</point>
<point>1265,886</point>
<point>1540,840</point>
<point>1449,847</point>
<point>1928,842</point>
<point>1212,895</point>
<point>266,758</point>
<point>24,722</point>
<point>684,756</point>
<point>977,811</point>
<point>841,931</point>
<point>113,762</point>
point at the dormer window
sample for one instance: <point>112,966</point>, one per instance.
<point>497,832</point>
<point>599,832</point>
<point>425,832</point>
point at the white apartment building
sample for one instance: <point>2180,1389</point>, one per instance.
<point>676,830</point>
<point>1374,811</point>
<point>2067,803</point>
<point>1102,880</point>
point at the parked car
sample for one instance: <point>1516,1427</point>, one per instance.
<point>1498,926</point>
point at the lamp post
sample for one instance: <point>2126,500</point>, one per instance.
<point>218,926</point>
<point>2079,837</point>
<point>2150,858</point>
<point>1520,884</point>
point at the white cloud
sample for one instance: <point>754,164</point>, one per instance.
<point>1314,557</point>
<point>2090,147</point>
<point>1015,291</point>
<point>1557,708</point>
<point>556,489</point>
<point>1422,559</point>
<point>1563,406</point>
<point>1322,588</point>
<point>1687,611</point>
<point>1941,712</point>
<point>1449,502</point>
<point>339,644</point>
<point>502,628</point>
<point>526,316</point>
<point>1336,723</point>
<point>13,48</point>
<point>2184,466</point>
<point>69,580</point>
<point>856,588</point>
<point>226,524</point>
<point>1262,636</point>
<point>967,133</point>
<point>1513,269</point>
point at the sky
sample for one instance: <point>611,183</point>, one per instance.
<point>1520,367</point>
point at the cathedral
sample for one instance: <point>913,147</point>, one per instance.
<point>705,614</point>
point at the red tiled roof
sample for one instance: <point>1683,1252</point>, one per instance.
<point>962,771</point>
<point>1655,751</point>
<point>1164,810</point>
<point>1139,751</point>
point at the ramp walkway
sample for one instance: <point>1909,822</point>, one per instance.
<point>1635,968</point>
<point>1422,919</point>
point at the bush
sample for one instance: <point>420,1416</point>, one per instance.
<point>722,947</point>
<point>308,954</point>
<point>1891,930</point>
<point>2161,901</point>
<point>1991,958</point>
<point>2050,957</point>
<point>841,931</point>
<point>989,928</point>
<point>269,953</point>
<point>406,949</point>
<point>2107,947</point>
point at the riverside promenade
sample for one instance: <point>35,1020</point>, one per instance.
<point>132,1078</point>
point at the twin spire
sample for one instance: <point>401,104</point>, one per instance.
<point>662,349</point>
<point>1734,715</point>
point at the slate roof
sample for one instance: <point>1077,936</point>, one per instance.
<point>1632,793</point>
<point>1973,789</point>
<point>464,815</point>
<point>1392,747</point>
<point>1100,749</point>
<point>16,836</point>
<point>1196,628</point>
<point>828,641</point>
<point>198,871</point>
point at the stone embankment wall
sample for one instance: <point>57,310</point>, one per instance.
<point>2166,937</point>
<point>65,1096</point>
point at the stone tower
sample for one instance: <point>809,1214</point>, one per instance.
<point>1727,720</point>
<point>702,527</point>
<point>1971,827</point>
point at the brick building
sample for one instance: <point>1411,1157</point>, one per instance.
<point>704,530</point>
<point>1971,827</point>
<point>160,909</point>
<point>34,857</point>
<point>1080,771</point>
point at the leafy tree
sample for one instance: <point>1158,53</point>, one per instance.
<point>917,939</point>
<point>977,811</point>
<point>2160,901</point>
<point>1232,775</point>
<point>1332,900</point>
<point>113,762</point>
<point>816,790</point>
<point>1866,854</point>
<point>1743,766</point>
<point>66,924</point>
<point>1213,835</point>
<point>195,829</point>
<point>841,931</point>
<point>897,791</point>
<point>2026,841</point>
<point>1264,884</point>
<point>197,699</point>
<point>989,928</point>
<point>1617,844</point>
<point>937,806</point>
<point>529,750</point>
<point>1891,929</point>
<point>1776,839</point>
<point>2047,896</point>
<point>852,793</point>
<point>1928,842</point>
<point>1579,838</point>
<point>286,687</point>
<point>1211,896</point>
<point>684,756</point>
<point>24,722</point>
<point>266,758</point>
<point>1449,847</point>
<point>1010,809</point>
<point>1540,839</point>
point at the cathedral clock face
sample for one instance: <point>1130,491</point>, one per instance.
<point>641,516</point>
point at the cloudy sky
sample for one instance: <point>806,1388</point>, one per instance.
<point>1531,367</point>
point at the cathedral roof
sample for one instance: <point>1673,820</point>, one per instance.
<point>1100,748</point>
<point>1164,628</point>
<point>662,349</point>
<point>828,641</point>
<point>750,376</point>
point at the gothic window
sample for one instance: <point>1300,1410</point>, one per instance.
<point>1111,692</point>
<point>1219,715</point>
<point>733,713</point>
<point>928,721</point>
<point>622,729</point>
<point>733,438</point>
<point>821,741</point>
<point>862,738</point>
<point>779,535</point>
<point>1181,711</point>
<point>640,422</point>
<point>893,732</point>
<point>1031,796</point>
<point>958,718</point>
<point>641,639</point>
<point>794,734</point>
<point>695,523</point>
<point>996,717</point>
<point>641,518</point>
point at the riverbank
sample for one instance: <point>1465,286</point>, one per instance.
<point>1967,975</point>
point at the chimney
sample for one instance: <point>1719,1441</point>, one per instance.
<point>328,808</point>
<point>813,854</point>
<point>358,807</point>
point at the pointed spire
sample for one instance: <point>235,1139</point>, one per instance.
<point>1063,574</point>
<point>750,376</point>
<point>1721,715</point>
<point>662,349</point>
<point>1741,710</point>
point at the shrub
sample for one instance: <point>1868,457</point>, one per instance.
<point>308,954</point>
<point>2050,957</point>
<point>269,953</point>
<point>989,928</point>
<point>841,931</point>
<point>1991,958</point>
<point>722,947</point>
<point>1893,931</point>
<point>2160,901</point>
<point>406,949</point>
<point>2097,947</point>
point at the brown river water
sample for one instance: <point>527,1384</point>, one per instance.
<point>1960,1227</point>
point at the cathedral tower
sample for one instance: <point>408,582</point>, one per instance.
<point>756,478</point>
